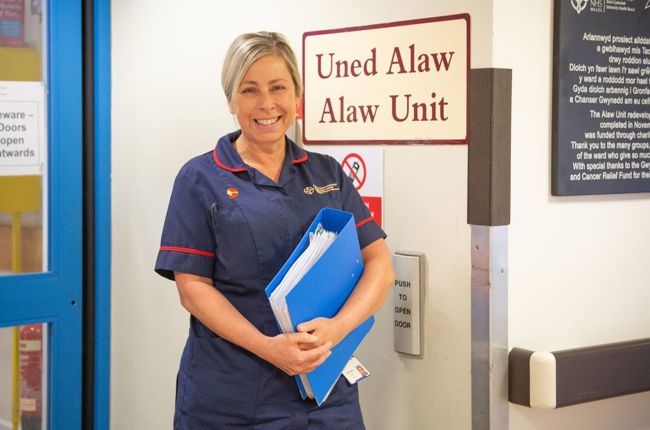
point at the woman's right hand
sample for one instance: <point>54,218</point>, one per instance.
<point>284,352</point>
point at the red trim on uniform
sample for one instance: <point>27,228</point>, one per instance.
<point>364,221</point>
<point>187,250</point>
<point>300,160</point>
<point>223,166</point>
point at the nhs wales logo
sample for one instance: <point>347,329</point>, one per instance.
<point>579,5</point>
<point>597,6</point>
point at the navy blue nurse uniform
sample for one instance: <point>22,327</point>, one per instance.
<point>229,222</point>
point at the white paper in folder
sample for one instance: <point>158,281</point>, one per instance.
<point>319,241</point>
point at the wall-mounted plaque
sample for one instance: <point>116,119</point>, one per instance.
<point>601,97</point>
<point>392,83</point>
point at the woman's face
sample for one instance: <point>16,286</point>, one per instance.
<point>265,102</point>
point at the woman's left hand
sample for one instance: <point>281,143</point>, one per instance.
<point>324,330</point>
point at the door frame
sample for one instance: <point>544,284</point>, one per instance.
<point>56,297</point>
<point>97,214</point>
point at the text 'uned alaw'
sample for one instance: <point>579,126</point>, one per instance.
<point>403,107</point>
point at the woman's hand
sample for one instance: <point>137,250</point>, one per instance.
<point>284,351</point>
<point>323,330</point>
<point>214,310</point>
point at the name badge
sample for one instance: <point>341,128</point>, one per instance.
<point>354,371</point>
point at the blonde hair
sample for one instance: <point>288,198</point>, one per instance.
<point>248,48</point>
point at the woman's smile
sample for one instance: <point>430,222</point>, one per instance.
<point>268,121</point>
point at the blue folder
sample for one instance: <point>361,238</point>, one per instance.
<point>323,291</point>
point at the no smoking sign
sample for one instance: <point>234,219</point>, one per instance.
<point>364,166</point>
<point>355,168</point>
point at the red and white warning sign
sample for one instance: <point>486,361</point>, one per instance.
<point>364,166</point>
<point>355,169</point>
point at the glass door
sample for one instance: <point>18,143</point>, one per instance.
<point>40,214</point>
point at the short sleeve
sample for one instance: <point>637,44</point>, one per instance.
<point>367,229</point>
<point>187,244</point>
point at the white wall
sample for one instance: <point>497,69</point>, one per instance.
<point>579,272</point>
<point>167,107</point>
<point>578,265</point>
<point>432,393</point>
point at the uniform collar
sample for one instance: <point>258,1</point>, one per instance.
<point>226,157</point>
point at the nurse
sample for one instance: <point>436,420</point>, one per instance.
<point>235,215</point>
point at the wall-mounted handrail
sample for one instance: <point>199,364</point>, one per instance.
<point>548,380</point>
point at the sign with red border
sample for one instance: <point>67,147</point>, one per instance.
<point>355,168</point>
<point>399,82</point>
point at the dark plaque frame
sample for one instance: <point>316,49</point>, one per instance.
<point>601,97</point>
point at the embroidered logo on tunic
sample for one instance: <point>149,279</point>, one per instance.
<point>232,192</point>
<point>321,190</point>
